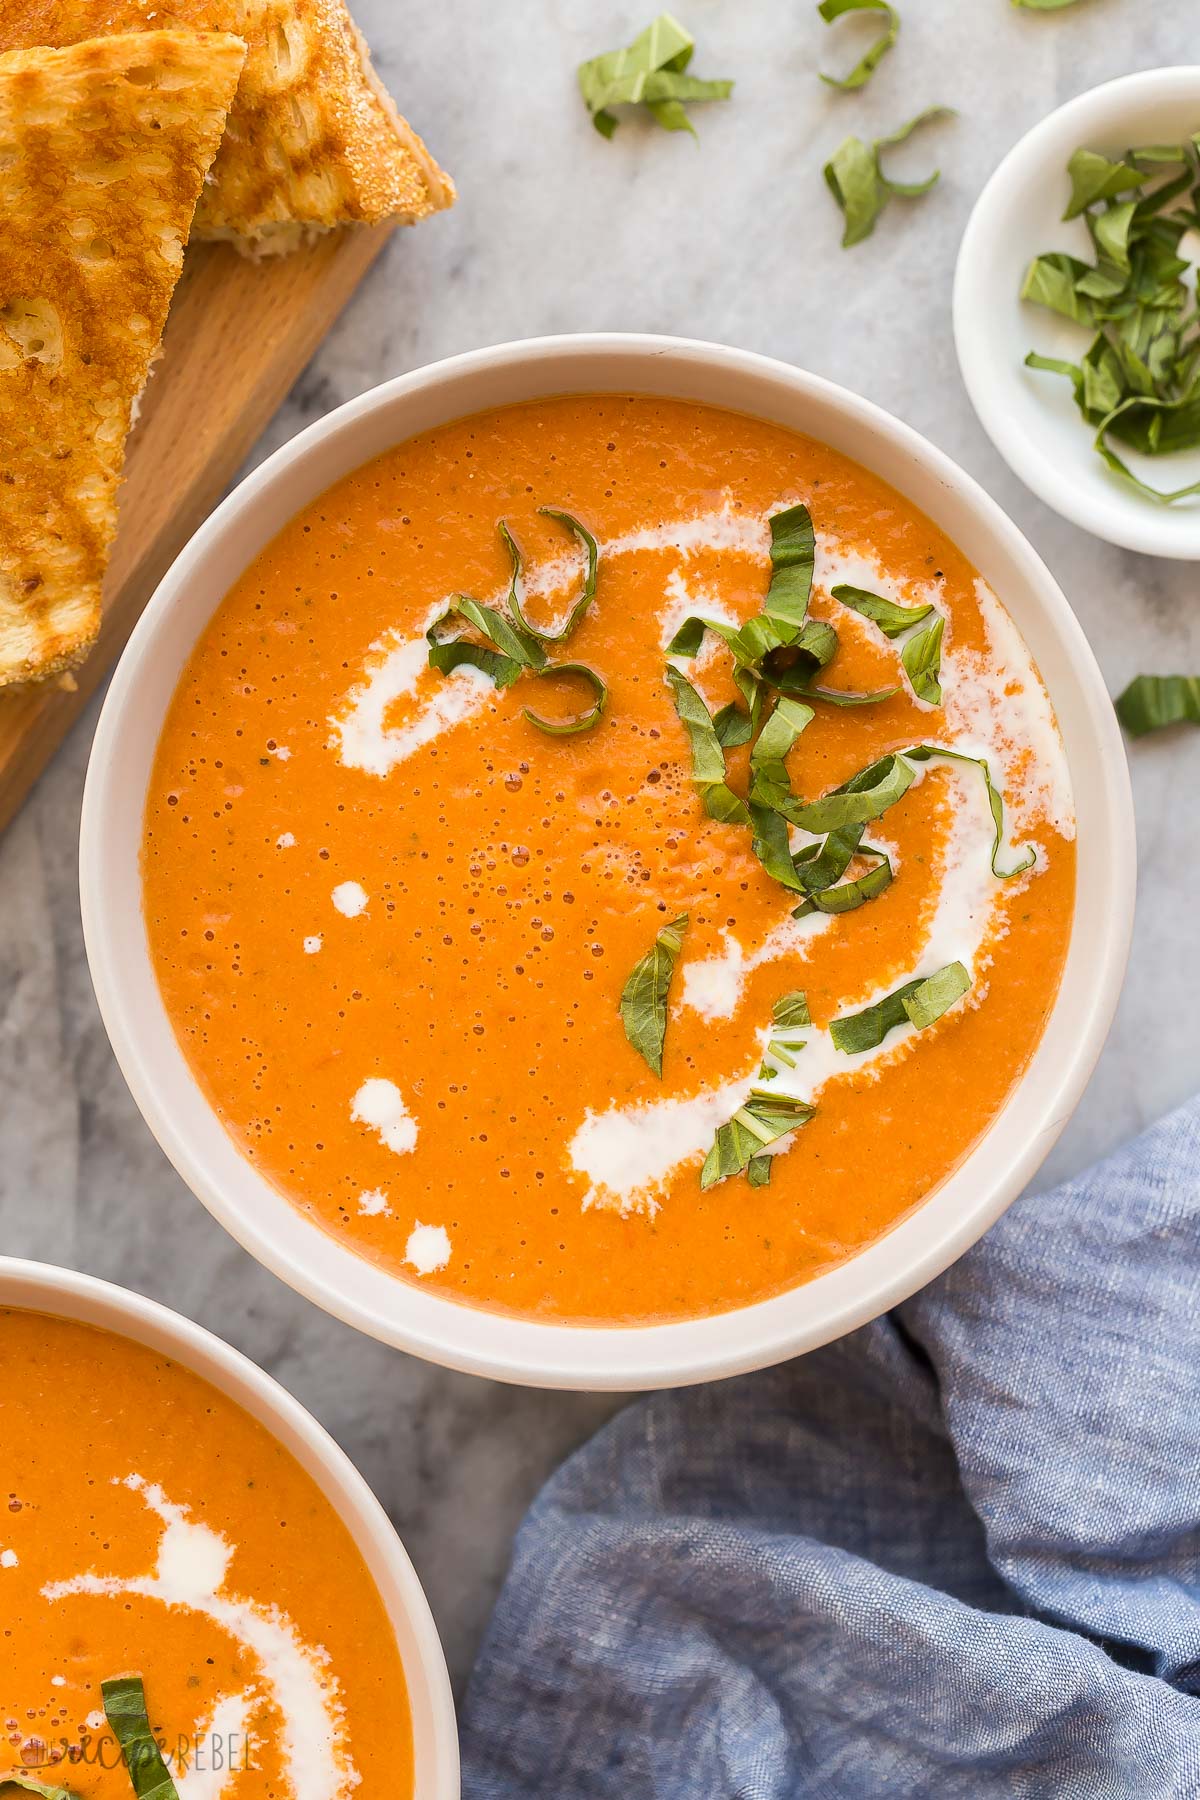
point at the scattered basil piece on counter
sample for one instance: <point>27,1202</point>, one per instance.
<point>855,177</point>
<point>643,1003</point>
<point>922,659</point>
<point>587,595</point>
<point>920,1003</point>
<point>1044,5</point>
<point>1138,383</point>
<point>764,1118</point>
<point>1153,702</point>
<point>650,72</point>
<point>26,1783</point>
<point>863,70</point>
<point>708,757</point>
<point>584,720</point>
<point>891,618</point>
<point>125,1709</point>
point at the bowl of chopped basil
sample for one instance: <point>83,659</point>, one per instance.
<point>1075,311</point>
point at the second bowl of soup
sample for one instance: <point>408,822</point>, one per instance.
<point>607,862</point>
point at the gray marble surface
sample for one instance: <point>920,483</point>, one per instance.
<point>734,238</point>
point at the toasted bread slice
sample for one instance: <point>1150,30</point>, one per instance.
<point>103,151</point>
<point>314,141</point>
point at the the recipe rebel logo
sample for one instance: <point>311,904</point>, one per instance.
<point>210,1752</point>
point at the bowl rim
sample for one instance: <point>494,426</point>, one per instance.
<point>617,1357</point>
<point>86,1299</point>
<point>1148,528</point>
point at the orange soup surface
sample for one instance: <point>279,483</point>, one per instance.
<point>393,919</point>
<point>149,1527</point>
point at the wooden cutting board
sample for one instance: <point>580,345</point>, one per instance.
<point>238,336</point>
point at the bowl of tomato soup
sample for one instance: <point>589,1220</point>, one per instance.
<point>184,1552</point>
<point>608,861</point>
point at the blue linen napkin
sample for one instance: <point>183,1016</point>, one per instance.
<point>956,1554</point>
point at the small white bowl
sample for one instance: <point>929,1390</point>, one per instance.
<point>1030,415</point>
<point>401,1313</point>
<point>38,1287</point>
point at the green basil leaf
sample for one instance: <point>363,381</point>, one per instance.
<point>891,618</point>
<point>843,697</point>
<point>1153,702</point>
<point>688,638</point>
<point>790,1013</point>
<point>584,720</point>
<point>758,1171</point>
<point>1110,233</point>
<point>733,726</point>
<point>884,782</point>
<point>921,753</point>
<point>848,896</point>
<point>1044,5</point>
<point>514,650</point>
<point>10,1779</point>
<point>708,758</point>
<point>863,70</point>
<point>793,558</point>
<point>853,178</point>
<point>910,190</point>
<point>918,1002</point>
<point>770,844</point>
<point>125,1709</point>
<point>502,670</point>
<point>819,866</point>
<point>587,593</point>
<point>922,659</point>
<point>1054,365</point>
<point>1163,496</point>
<point>935,996</point>
<point>1054,280</point>
<point>643,1004</point>
<point>649,72</point>
<point>763,1119</point>
<point>1095,178</point>
<point>770,784</point>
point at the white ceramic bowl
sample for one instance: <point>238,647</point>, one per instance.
<point>1030,415</point>
<point>420,1321</point>
<point>37,1287</point>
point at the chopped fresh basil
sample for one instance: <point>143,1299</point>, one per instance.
<point>883,783</point>
<point>649,72</point>
<point>758,1171</point>
<point>793,559</point>
<point>1044,5</point>
<point>891,618</point>
<point>125,1709</point>
<point>926,752</point>
<point>848,896</point>
<point>583,721</point>
<point>922,659</point>
<point>1152,702</point>
<point>769,783</point>
<point>919,1003</point>
<point>708,757</point>
<point>587,594</point>
<point>789,1018</point>
<point>763,1119</point>
<point>791,1013</point>
<point>643,1004</point>
<point>514,650</point>
<point>1138,383</point>
<point>863,70</point>
<point>10,1779</point>
<point>855,177</point>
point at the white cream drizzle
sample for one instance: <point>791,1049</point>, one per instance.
<point>993,707</point>
<point>379,1104</point>
<point>428,1248</point>
<point>193,1561</point>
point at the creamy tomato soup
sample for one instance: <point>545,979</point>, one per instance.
<point>150,1528</point>
<point>394,917</point>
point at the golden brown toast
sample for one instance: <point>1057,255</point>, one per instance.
<point>103,151</point>
<point>314,141</point>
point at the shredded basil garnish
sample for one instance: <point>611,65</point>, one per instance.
<point>847,896</point>
<point>868,796</point>
<point>643,1003</point>
<point>584,720</point>
<point>1152,702</point>
<point>925,752</point>
<point>708,757</point>
<point>650,72</point>
<point>863,70</point>
<point>919,1003</point>
<point>891,618</point>
<point>763,1119</point>
<point>10,1779</point>
<point>125,1709</point>
<point>922,659</point>
<point>1138,383</point>
<point>587,594</point>
<point>854,175</point>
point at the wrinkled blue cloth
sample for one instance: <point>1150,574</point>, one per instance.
<point>955,1554</point>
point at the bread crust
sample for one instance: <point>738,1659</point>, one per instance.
<point>314,139</point>
<point>104,148</point>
